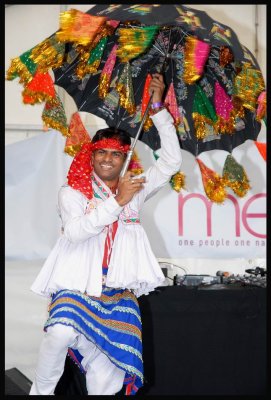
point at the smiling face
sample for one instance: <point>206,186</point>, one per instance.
<point>107,164</point>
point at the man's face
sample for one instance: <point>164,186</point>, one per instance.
<point>108,163</point>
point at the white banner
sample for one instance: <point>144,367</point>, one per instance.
<point>184,225</point>
<point>188,225</point>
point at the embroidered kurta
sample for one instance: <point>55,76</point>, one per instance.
<point>75,263</point>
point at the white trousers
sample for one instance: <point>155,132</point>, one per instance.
<point>102,376</point>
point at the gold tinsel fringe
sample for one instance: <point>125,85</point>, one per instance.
<point>137,171</point>
<point>38,97</point>
<point>177,181</point>
<point>213,183</point>
<point>147,124</point>
<point>224,126</point>
<point>133,42</point>
<point>51,123</point>
<point>80,70</point>
<point>240,188</point>
<point>104,84</point>
<point>84,50</point>
<point>79,27</point>
<point>91,69</point>
<point>190,74</point>
<point>215,190</point>
<point>199,124</point>
<point>46,56</point>
<point>135,165</point>
<point>73,150</point>
<point>83,69</point>
<point>124,100</point>
<point>17,67</point>
<point>248,84</point>
<point>238,110</point>
<point>104,31</point>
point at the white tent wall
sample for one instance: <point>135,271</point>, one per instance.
<point>31,220</point>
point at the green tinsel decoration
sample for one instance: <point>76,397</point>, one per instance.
<point>22,67</point>
<point>203,113</point>
<point>54,116</point>
<point>235,176</point>
<point>134,41</point>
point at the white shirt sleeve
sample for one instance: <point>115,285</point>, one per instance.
<point>79,226</point>
<point>170,157</point>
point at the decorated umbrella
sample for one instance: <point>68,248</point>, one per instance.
<point>104,59</point>
<point>213,81</point>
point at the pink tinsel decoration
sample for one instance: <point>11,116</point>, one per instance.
<point>261,109</point>
<point>201,54</point>
<point>134,164</point>
<point>113,23</point>
<point>171,104</point>
<point>110,62</point>
<point>223,103</point>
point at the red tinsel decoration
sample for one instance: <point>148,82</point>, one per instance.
<point>39,89</point>
<point>213,183</point>
<point>78,135</point>
<point>262,148</point>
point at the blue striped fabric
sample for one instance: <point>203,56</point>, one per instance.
<point>111,321</point>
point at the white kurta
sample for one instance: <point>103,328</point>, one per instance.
<point>75,262</point>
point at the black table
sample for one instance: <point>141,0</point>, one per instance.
<point>198,342</point>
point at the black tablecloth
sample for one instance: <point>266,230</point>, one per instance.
<point>198,342</point>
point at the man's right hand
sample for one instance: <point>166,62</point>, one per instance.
<point>157,87</point>
<point>128,185</point>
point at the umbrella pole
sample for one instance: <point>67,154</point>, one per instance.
<point>130,152</point>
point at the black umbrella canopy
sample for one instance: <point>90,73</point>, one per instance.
<point>176,23</point>
<point>196,22</point>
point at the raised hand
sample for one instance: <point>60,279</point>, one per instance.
<point>157,87</point>
<point>128,185</point>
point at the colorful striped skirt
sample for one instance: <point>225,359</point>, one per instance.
<point>111,321</point>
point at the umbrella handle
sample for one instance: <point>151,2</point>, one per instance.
<point>126,163</point>
<point>130,152</point>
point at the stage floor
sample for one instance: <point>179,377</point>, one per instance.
<point>25,314</point>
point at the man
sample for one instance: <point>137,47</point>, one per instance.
<point>103,261</point>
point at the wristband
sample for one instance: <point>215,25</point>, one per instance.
<point>157,105</point>
<point>156,110</point>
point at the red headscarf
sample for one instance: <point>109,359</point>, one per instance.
<point>79,176</point>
